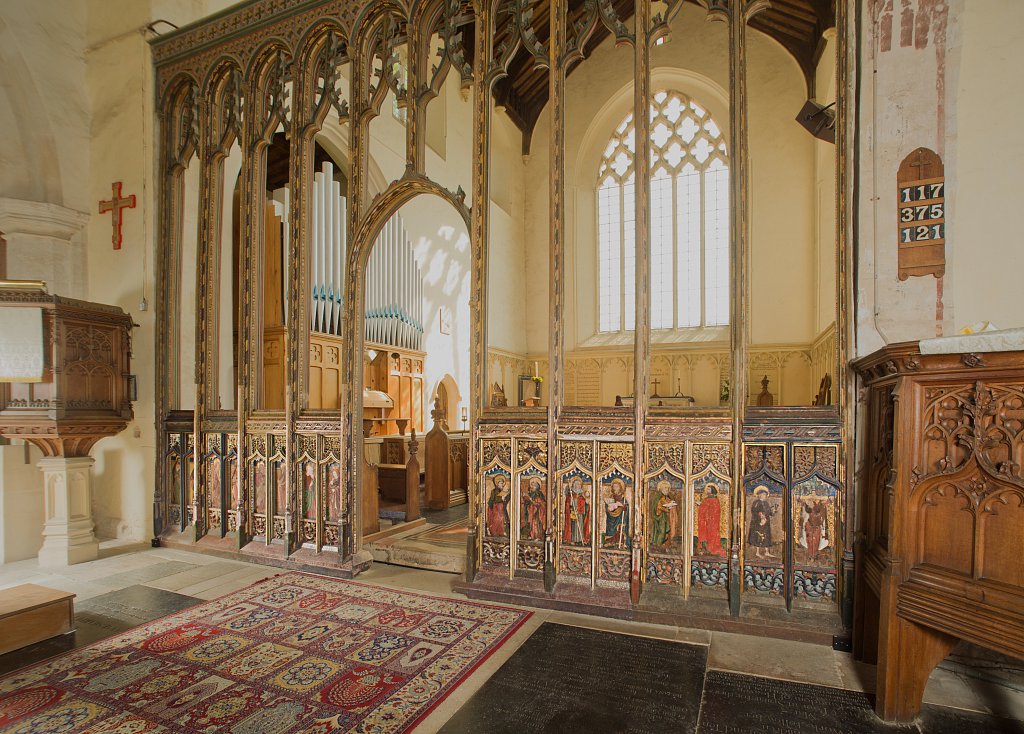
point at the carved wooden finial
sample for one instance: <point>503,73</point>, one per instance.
<point>413,444</point>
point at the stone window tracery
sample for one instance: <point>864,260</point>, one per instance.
<point>689,220</point>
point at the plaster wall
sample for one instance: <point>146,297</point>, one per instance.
<point>783,190</point>
<point>942,74</point>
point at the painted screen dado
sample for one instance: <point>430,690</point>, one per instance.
<point>791,521</point>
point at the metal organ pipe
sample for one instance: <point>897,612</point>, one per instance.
<point>394,290</point>
<point>327,252</point>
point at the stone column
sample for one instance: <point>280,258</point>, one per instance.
<point>68,533</point>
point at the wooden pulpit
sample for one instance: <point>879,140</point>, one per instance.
<point>941,515</point>
<point>65,383</point>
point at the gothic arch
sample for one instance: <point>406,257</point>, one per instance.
<point>381,209</point>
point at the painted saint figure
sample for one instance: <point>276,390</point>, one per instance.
<point>576,525</point>
<point>280,489</point>
<point>664,525</point>
<point>535,508</point>
<point>709,524</point>
<point>233,482</point>
<point>497,508</point>
<point>815,528</point>
<point>616,518</point>
<point>309,491</point>
<point>213,491</point>
<point>760,534</point>
<point>259,487</point>
<point>334,491</point>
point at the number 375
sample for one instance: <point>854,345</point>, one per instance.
<point>922,213</point>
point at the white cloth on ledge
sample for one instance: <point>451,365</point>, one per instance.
<point>1001,340</point>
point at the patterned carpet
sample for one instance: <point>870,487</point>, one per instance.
<point>293,653</point>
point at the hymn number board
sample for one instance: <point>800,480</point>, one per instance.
<point>921,207</point>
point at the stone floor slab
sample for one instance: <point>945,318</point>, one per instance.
<point>568,679</point>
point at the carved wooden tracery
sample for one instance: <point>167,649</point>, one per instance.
<point>242,76</point>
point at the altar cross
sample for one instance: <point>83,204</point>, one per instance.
<point>116,204</point>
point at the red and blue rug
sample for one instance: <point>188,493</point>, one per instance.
<point>293,653</point>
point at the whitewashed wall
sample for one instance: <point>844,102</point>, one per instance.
<point>943,75</point>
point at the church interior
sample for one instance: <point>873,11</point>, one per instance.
<point>511,366</point>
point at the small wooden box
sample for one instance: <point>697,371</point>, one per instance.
<point>30,613</point>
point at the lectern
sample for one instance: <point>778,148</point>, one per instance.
<point>65,383</point>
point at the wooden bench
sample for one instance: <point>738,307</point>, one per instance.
<point>30,613</point>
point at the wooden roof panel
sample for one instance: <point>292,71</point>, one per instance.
<point>796,24</point>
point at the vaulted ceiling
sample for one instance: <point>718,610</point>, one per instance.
<point>797,25</point>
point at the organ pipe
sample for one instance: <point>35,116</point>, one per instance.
<point>327,252</point>
<point>394,283</point>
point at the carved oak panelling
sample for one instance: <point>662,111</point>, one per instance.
<point>709,574</point>
<point>575,563</point>
<point>530,557</point>
<point>679,432</point>
<point>190,482</point>
<point>495,553</point>
<point>787,432</point>
<point>496,450</point>
<point>671,455</point>
<point>984,422</point>
<point>664,570</point>
<point>612,454</point>
<point>579,452</point>
<point>532,450</point>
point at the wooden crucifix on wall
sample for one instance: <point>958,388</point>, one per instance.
<point>921,207</point>
<point>116,205</point>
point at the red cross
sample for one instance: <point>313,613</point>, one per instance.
<point>116,204</point>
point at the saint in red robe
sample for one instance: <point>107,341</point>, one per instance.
<point>709,524</point>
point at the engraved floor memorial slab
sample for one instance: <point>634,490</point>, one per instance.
<point>744,704</point>
<point>570,679</point>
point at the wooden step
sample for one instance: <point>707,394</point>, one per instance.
<point>457,497</point>
<point>31,613</point>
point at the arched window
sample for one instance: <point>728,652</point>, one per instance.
<point>689,220</point>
